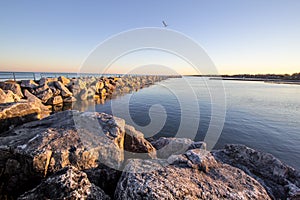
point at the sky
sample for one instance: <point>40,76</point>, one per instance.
<point>239,36</point>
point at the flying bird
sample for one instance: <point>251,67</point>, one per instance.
<point>164,23</point>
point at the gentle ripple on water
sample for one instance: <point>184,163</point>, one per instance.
<point>260,115</point>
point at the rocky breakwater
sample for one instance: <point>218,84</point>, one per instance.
<point>26,100</point>
<point>89,155</point>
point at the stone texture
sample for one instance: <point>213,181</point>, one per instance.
<point>84,140</point>
<point>8,96</point>
<point>186,179</point>
<point>68,183</point>
<point>168,146</point>
<point>136,145</point>
<point>280,180</point>
<point>46,81</point>
<point>45,95</point>
<point>64,80</point>
<point>12,86</point>
<point>30,97</point>
<point>55,100</point>
<point>69,99</point>
<point>105,178</point>
<point>14,114</point>
<point>64,90</point>
<point>29,84</point>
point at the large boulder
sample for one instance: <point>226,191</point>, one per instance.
<point>14,114</point>
<point>136,145</point>
<point>68,183</point>
<point>12,86</point>
<point>194,175</point>
<point>39,148</point>
<point>280,180</point>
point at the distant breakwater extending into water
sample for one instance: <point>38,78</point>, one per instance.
<point>26,100</point>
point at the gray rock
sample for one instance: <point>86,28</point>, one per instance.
<point>40,89</point>
<point>75,89</point>
<point>83,95</point>
<point>280,180</point>
<point>55,100</point>
<point>64,80</point>
<point>173,146</point>
<point>12,86</point>
<point>14,114</point>
<point>136,146</point>
<point>69,99</point>
<point>29,84</point>
<point>64,90</point>
<point>67,183</point>
<point>55,91</point>
<point>149,179</point>
<point>30,97</point>
<point>105,178</point>
<point>8,96</point>
<point>45,95</point>
<point>83,140</point>
<point>46,81</point>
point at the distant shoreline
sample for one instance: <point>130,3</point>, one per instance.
<point>274,81</point>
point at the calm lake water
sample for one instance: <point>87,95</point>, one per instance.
<point>260,115</point>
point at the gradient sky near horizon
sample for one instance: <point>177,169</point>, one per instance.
<point>240,36</point>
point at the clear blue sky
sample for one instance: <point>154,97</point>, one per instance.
<point>254,36</point>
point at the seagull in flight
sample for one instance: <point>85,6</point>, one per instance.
<point>164,23</point>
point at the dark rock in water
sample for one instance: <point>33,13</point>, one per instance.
<point>86,94</point>
<point>83,140</point>
<point>68,183</point>
<point>136,143</point>
<point>14,114</point>
<point>185,178</point>
<point>12,86</point>
<point>8,96</point>
<point>280,180</point>
<point>83,95</point>
<point>29,84</point>
<point>172,146</point>
<point>55,100</point>
<point>75,89</point>
<point>69,99</point>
